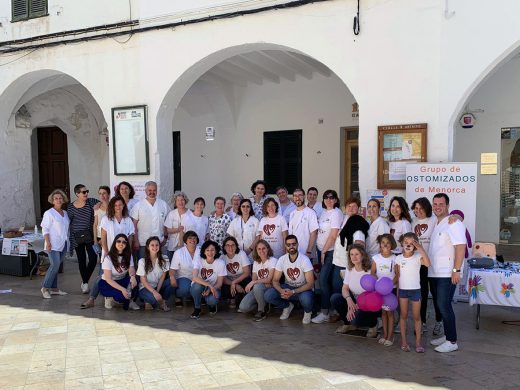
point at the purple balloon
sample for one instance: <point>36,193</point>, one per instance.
<point>384,286</point>
<point>368,282</point>
<point>389,302</point>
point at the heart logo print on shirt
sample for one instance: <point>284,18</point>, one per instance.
<point>263,273</point>
<point>293,273</point>
<point>269,229</point>
<point>421,229</point>
<point>233,267</point>
<point>206,273</point>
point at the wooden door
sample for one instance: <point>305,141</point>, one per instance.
<point>351,168</point>
<point>53,162</point>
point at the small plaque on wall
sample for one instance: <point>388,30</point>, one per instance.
<point>488,169</point>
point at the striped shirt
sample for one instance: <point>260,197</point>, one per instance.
<point>81,219</point>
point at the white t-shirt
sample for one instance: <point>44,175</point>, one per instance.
<point>302,223</point>
<point>113,228</point>
<point>397,229</point>
<point>442,248</point>
<point>174,220</point>
<point>423,228</point>
<point>182,262</point>
<point>294,271</point>
<point>150,219</point>
<point>235,266</point>
<point>385,266</point>
<point>329,219</point>
<point>353,280</point>
<point>57,227</point>
<point>244,232</point>
<point>154,275</point>
<point>201,227</point>
<point>99,213</point>
<point>210,272</point>
<point>318,208</point>
<point>409,271</point>
<point>106,264</point>
<point>286,210</point>
<point>377,227</point>
<point>270,229</point>
<point>262,269</point>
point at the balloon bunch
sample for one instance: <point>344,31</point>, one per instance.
<point>378,294</point>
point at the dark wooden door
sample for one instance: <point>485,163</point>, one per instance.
<point>53,163</point>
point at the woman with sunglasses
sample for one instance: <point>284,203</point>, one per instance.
<point>118,281</point>
<point>244,227</point>
<point>81,214</point>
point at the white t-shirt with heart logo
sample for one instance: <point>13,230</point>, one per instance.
<point>423,228</point>
<point>271,229</point>
<point>209,272</point>
<point>262,269</point>
<point>234,266</point>
<point>294,271</point>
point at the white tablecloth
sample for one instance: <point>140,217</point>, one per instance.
<point>497,286</point>
<point>36,241</point>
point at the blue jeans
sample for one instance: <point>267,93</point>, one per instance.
<point>94,291</point>
<point>165,291</point>
<point>183,288</point>
<point>325,278</point>
<point>108,291</point>
<point>51,277</point>
<point>196,293</point>
<point>442,292</point>
<point>306,298</point>
<point>337,280</point>
<point>361,319</point>
<point>254,299</point>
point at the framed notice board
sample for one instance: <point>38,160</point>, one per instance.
<point>397,146</point>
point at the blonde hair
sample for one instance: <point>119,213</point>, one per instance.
<point>50,199</point>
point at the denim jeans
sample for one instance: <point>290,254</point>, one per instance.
<point>337,280</point>
<point>51,277</point>
<point>94,291</point>
<point>442,292</point>
<point>254,299</point>
<point>361,319</point>
<point>305,298</point>
<point>196,293</point>
<point>183,288</point>
<point>165,291</point>
<point>325,278</point>
<point>108,291</point>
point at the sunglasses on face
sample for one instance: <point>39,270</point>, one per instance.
<point>121,242</point>
<point>84,192</point>
<point>329,197</point>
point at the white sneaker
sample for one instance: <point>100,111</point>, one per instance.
<point>287,311</point>
<point>45,293</point>
<point>84,288</point>
<point>307,318</point>
<point>438,328</point>
<point>447,346</point>
<point>109,303</point>
<point>439,341</point>
<point>320,318</point>
<point>133,306</point>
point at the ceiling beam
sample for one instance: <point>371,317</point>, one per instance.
<point>282,57</point>
<point>228,77</point>
<point>273,66</point>
<point>232,68</point>
<point>255,68</point>
<point>318,66</point>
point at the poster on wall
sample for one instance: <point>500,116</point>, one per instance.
<point>130,141</point>
<point>382,197</point>
<point>459,182</point>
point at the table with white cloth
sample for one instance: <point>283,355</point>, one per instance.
<point>35,243</point>
<point>496,286</point>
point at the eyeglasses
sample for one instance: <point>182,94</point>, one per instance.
<point>121,242</point>
<point>84,192</point>
<point>329,197</point>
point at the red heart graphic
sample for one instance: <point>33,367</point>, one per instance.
<point>293,273</point>
<point>269,229</point>
<point>233,267</point>
<point>206,273</point>
<point>421,229</point>
<point>263,273</point>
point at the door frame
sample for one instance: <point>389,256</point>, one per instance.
<point>347,157</point>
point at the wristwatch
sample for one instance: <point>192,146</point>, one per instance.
<point>455,270</point>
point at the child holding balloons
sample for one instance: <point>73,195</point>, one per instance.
<point>407,269</point>
<point>383,266</point>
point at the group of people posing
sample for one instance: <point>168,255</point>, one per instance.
<point>262,252</point>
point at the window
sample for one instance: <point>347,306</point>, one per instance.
<point>283,159</point>
<point>28,9</point>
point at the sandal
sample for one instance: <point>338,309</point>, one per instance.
<point>87,304</point>
<point>381,340</point>
<point>388,343</point>
<point>419,349</point>
<point>405,348</point>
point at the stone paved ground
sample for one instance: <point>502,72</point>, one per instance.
<point>52,344</point>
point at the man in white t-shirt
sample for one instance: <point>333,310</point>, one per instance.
<point>299,281</point>
<point>446,252</point>
<point>286,206</point>
<point>148,216</point>
<point>303,223</point>
<point>312,201</point>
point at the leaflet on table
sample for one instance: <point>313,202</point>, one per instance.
<point>15,247</point>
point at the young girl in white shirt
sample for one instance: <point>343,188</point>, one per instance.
<point>383,265</point>
<point>407,269</point>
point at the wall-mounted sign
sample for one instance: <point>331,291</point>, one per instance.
<point>210,133</point>
<point>488,158</point>
<point>488,169</point>
<point>399,145</point>
<point>130,140</point>
<point>355,110</point>
<point>467,121</point>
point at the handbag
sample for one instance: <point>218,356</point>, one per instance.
<point>83,237</point>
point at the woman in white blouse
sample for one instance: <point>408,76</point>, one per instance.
<point>244,227</point>
<point>177,222</point>
<point>55,228</point>
<point>181,266</point>
<point>378,226</point>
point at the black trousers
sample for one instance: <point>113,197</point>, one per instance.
<point>425,288</point>
<point>225,290</point>
<point>86,270</point>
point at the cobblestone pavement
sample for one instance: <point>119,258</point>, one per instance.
<point>53,344</point>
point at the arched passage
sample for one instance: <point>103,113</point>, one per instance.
<point>32,104</point>
<point>243,92</point>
